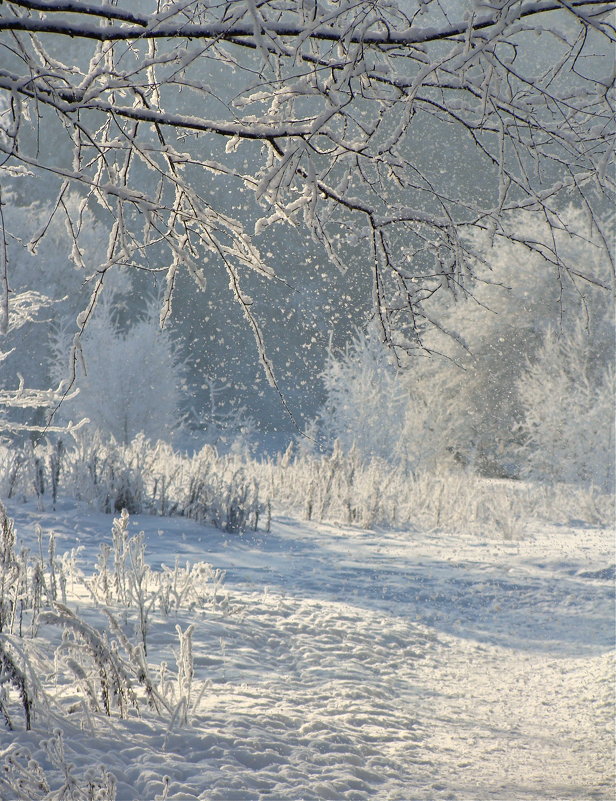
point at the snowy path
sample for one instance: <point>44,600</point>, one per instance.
<point>376,665</point>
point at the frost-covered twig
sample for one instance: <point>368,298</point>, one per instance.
<point>330,132</point>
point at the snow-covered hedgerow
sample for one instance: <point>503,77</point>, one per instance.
<point>236,493</point>
<point>343,487</point>
<point>141,476</point>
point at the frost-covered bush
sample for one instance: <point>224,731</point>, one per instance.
<point>57,661</point>
<point>27,584</point>
<point>458,402</point>
<point>103,473</point>
<point>366,400</point>
<point>567,395</point>
<point>129,380</point>
<point>23,776</point>
<point>123,578</point>
<point>220,490</point>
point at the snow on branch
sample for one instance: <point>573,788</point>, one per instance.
<point>23,397</point>
<point>375,31</point>
<point>26,398</point>
<point>341,119</point>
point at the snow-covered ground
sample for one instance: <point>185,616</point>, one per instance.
<point>362,665</point>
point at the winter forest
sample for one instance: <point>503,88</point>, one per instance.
<point>307,387</point>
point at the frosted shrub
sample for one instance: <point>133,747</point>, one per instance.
<point>344,488</point>
<point>568,400</point>
<point>129,380</point>
<point>124,579</point>
<point>217,490</point>
<point>27,582</point>
<point>24,588</point>
<point>458,402</point>
<point>98,669</point>
<point>206,487</point>
<point>94,662</point>
<point>222,491</point>
<point>186,670</point>
<point>23,777</point>
<point>32,470</point>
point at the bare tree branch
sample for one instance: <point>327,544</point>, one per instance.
<point>332,106</point>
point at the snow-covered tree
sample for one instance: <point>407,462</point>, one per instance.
<point>38,254</point>
<point>567,394</point>
<point>382,411</point>
<point>460,399</point>
<point>350,119</point>
<point>482,343</point>
<point>366,400</point>
<point>129,382</point>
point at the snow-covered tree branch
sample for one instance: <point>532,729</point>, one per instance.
<point>22,397</point>
<point>321,112</point>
